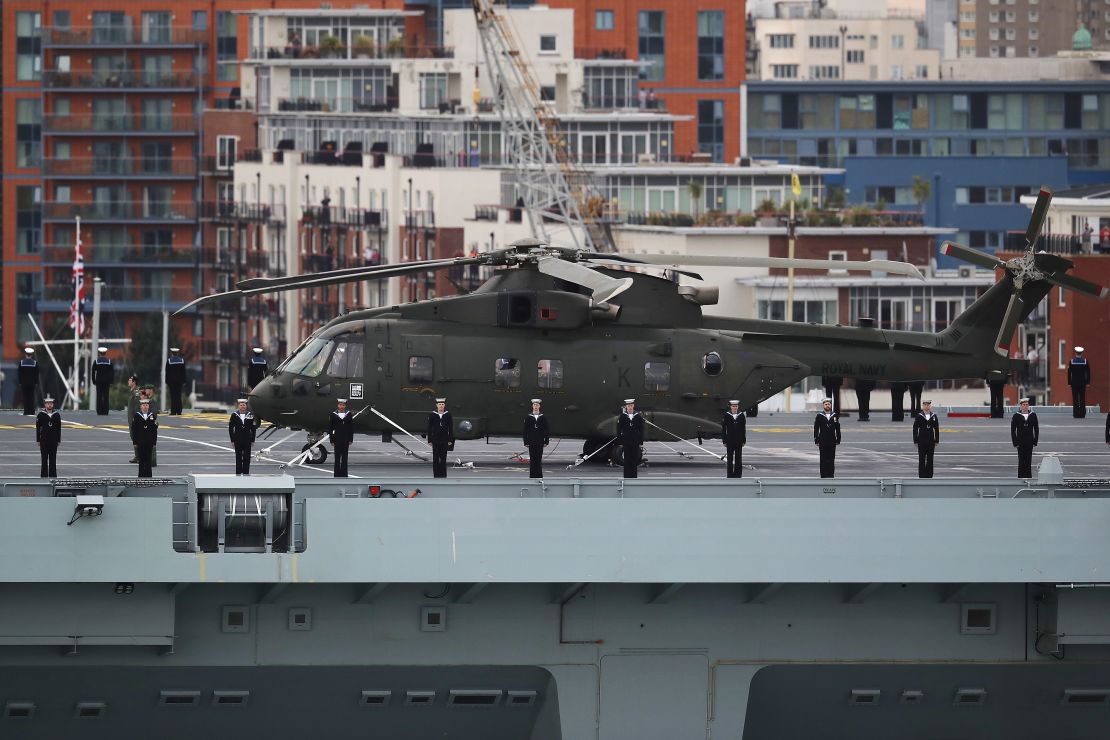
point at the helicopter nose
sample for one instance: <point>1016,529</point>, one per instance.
<point>261,399</point>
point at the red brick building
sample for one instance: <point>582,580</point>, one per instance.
<point>695,51</point>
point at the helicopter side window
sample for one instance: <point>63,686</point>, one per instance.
<point>506,372</point>
<point>549,374</point>
<point>657,376</point>
<point>421,369</point>
<point>712,364</point>
<point>346,361</point>
<point>309,360</point>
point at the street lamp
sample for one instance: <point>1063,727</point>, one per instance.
<point>843,52</point>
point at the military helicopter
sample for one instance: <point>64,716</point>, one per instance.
<point>581,332</point>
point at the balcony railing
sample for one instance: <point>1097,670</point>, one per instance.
<point>379,104</point>
<point>121,123</point>
<point>355,51</point>
<point>121,211</point>
<point>118,293</point>
<point>150,167</point>
<point>121,79</point>
<point>123,36</point>
<point>1058,243</point>
<point>112,254</point>
<point>229,350</point>
<point>599,52</point>
<point>420,219</point>
<point>337,216</point>
<point>228,210</point>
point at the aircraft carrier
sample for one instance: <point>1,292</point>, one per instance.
<point>487,605</point>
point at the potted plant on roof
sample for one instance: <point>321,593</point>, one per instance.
<point>363,46</point>
<point>331,47</point>
<point>396,46</point>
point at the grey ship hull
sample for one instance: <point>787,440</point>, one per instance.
<point>585,608</point>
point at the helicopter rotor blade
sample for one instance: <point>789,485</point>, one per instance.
<point>1079,285</point>
<point>603,287</point>
<point>1036,220</point>
<point>353,273</point>
<point>209,299</point>
<point>891,266</point>
<point>973,256</point>
<point>1009,323</point>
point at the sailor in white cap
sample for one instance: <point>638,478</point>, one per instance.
<point>441,436</point>
<point>1079,377</point>
<point>341,433</point>
<point>826,435</point>
<point>630,436</point>
<point>145,430</point>
<point>926,435</point>
<point>256,370</point>
<point>242,428</point>
<point>175,379</point>
<point>1025,433</point>
<point>103,375</point>
<point>734,434</point>
<point>48,435</point>
<point>28,380</point>
<point>536,436</point>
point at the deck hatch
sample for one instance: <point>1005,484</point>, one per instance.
<point>19,710</point>
<point>970,697</point>
<point>420,698</point>
<point>230,698</point>
<point>1086,697</point>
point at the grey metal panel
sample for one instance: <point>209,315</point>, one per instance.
<point>692,540</point>
<point>654,696</point>
<point>1083,616</point>
<point>84,614</point>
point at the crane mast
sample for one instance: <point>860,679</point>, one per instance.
<point>555,189</point>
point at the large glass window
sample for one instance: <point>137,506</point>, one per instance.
<point>227,47</point>
<point>652,44</point>
<point>603,20</point>
<point>28,219</point>
<point>711,45</point>
<point>421,369</point>
<point>711,128</point>
<point>28,132</point>
<point>28,46</point>
<point>156,27</point>
<point>506,373</point>
<point>549,374</point>
<point>433,90</point>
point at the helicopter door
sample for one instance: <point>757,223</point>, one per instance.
<point>421,366</point>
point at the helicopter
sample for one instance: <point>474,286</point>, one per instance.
<point>580,331</point>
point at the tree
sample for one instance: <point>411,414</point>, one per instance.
<point>922,189</point>
<point>696,189</point>
<point>144,354</point>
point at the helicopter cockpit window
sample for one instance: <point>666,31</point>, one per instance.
<point>346,361</point>
<point>549,374</point>
<point>712,364</point>
<point>506,372</point>
<point>421,369</point>
<point>309,360</point>
<point>657,376</point>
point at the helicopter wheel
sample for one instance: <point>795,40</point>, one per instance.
<point>592,445</point>
<point>318,455</point>
<point>616,455</point>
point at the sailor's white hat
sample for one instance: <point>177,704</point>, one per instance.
<point>258,350</point>
<point>29,350</point>
<point>733,402</point>
<point>1079,349</point>
<point>630,400</point>
<point>341,400</point>
<point>536,400</point>
<point>241,400</point>
<point>1024,400</point>
<point>441,400</point>
<point>101,350</point>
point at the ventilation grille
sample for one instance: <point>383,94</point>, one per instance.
<point>474,698</point>
<point>864,697</point>
<point>1086,697</point>
<point>179,698</point>
<point>375,698</point>
<point>19,710</point>
<point>89,709</point>
<point>970,697</point>
<point>230,698</point>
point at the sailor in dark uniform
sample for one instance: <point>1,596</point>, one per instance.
<point>28,380</point>
<point>48,434</point>
<point>863,398</point>
<point>256,371</point>
<point>826,435</point>
<point>103,375</point>
<point>242,428</point>
<point>917,389</point>
<point>996,382</point>
<point>735,435</point>
<point>175,379</point>
<point>133,394</point>
<point>1079,377</point>
<point>926,435</point>
<point>630,436</point>
<point>536,436</point>
<point>441,436</point>
<point>144,428</point>
<point>341,433</point>
<point>1024,434</point>
<point>897,392</point>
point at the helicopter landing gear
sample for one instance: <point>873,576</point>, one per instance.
<point>616,456</point>
<point>319,453</point>
<point>592,445</point>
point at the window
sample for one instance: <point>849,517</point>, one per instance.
<point>61,20</point>
<point>1061,354</point>
<point>711,45</point>
<point>549,374</point>
<point>421,369</point>
<point>548,44</point>
<point>62,150</point>
<point>156,27</point>
<point>28,46</point>
<point>921,72</point>
<point>227,47</point>
<point>657,376</point>
<point>28,219</point>
<point>824,42</point>
<point>433,90</point>
<point>711,128</point>
<point>603,20</point>
<point>855,56</point>
<point>506,373</point>
<point>781,40</point>
<point>346,361</point>
<point>62,193</point>
<point>225,151</point>
<point>784,71</point>
<point>652,44</point>
<point>1061,299</point>
<point>28,132</point>
<point>200,20</point>
<point>897,41</point>
<point>824,72</point>
<point>547,93</point>
<point>712,364</point>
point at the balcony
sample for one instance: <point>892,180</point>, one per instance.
<point>420,220</point>
<point>137,298</point>
<point>1064,244</point>
<point>119,255</point>
<point>599,52</point>
<point>347,217</point>
<point>368,104</point>
<point>122,212</point>
<point>320,313</point>
<point>227,351</point>
<point>121,124</point>
<point>116,36</point>
<point>128,168</point>
<point>90,80</point>
<point>393,50</point>
<point>234,211</point>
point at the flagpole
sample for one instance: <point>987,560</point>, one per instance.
<point>76,315</point>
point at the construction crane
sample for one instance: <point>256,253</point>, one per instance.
<point>557,192</point>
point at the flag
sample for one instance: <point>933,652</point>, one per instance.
<point>76,314</point>
<point>795,185</point>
